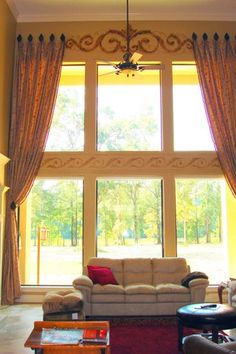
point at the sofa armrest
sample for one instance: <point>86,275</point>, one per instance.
<point>84,284</point>
<point>82,280</point>
<point>197,289</point>
<point>199,282</point>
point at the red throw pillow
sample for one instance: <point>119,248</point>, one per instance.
<point>91,272</point>
<point>101,275</point>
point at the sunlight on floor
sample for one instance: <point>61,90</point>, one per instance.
<point>16,323</point>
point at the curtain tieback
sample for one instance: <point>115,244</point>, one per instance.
<point>13,206</point>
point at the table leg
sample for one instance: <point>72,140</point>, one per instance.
<point>220,292</point>
<point>180,334</point>
<point>215,335</point>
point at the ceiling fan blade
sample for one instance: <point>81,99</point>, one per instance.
<point>109,73</point>
<point>152,67</point>
<point>135,57</point>
<point>105,62</point>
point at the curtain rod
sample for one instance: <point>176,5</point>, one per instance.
<point>215,36</point>
<point>41,37</point>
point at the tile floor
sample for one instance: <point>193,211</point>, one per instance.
<point>16,323</point>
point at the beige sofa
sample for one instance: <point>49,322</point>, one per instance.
<point>147,286</point>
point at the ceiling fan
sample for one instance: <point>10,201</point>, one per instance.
<point>129,65</point>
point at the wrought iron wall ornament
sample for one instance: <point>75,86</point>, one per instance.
<point>145,41</point>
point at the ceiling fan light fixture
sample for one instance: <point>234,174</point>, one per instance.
<point>129,66</point>
<point>126,72</point>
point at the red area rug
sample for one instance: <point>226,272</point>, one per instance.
<point>144,336</point>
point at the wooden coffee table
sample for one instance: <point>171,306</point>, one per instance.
<point>35,339</point>
<point>207,317</point>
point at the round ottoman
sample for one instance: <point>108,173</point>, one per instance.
<point>63,305</point>
<point>207,317</point>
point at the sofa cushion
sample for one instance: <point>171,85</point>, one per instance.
<point>140,289</point>
<point>169,270</point>
<point>140,293</point>
<point>172,293</point>
<point>108,289</point>
<point>116,265</point>
<point>101,275</point>
<point>137,270</point>
<point>108,293</point>
<point>107,299</point>
<point>171,288</point>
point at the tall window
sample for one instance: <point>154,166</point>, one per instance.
<point>129,218</point>
<point>200,233</point>
<point>191,131</point>
<point>54,250</point>
<point>128,111</point>
<point>67,130</point>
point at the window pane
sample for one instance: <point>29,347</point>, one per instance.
<point>129,218</point>
<point>53,251</point>
<point>200,235</point>
<point>67,129</point>
<point>191,131</point>
<point>128,111</point>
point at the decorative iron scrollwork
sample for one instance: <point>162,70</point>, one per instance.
<point>145,41</point>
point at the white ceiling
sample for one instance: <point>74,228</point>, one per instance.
<point>102,10</point>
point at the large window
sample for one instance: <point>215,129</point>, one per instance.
<point>130,171</point>
<point>67,130</point>
<point>54,250</point>
<point>191,131</point>
<point>200,234</point>
<point>128,111</point>
<point>129,218</point>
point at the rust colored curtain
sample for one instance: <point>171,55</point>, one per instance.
<point>216,66</point>
<point>35,85</point>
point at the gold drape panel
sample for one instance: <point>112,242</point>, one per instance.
<point>35,85</point>
<point>216,66</point>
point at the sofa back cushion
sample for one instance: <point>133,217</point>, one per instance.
<point>137,270</point>
<point>169,270</point>
<point>116,266</point>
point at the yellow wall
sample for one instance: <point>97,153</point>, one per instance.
<point>231,231</point>
<point>7,40</point>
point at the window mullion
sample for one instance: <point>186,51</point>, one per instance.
<point>167,108</point>
<point>169,217</point>
<point>90,107</point>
